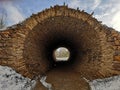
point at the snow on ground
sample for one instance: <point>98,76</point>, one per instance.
<point>45,84</point>
<point>112,83</point>
<point>2,29</point>
<point>10,80</point>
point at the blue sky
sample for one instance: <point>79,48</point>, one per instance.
<point>107,11</point>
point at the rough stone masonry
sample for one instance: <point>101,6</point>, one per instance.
<point>95,48</point>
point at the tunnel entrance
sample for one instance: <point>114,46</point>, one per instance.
<point>30,47</point>
<point>82,42</point>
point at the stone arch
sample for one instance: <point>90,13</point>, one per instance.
<point>42,26</point>
<point>33,42</point>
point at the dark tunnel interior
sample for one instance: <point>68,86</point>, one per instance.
<point>61,41</point>
<point>82,42</point>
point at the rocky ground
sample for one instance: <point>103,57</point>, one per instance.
<point>112,83</point>
<point>10,80</point>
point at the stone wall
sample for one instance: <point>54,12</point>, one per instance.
<point>11,48</point>
<point>95,48</point>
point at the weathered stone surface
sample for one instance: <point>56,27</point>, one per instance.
<point>117,42</point>
<point>28,47</point>
<point>117,58</point>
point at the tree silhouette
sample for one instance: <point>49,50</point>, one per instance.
<point>3,16</point>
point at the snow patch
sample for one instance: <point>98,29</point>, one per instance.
<point>2,29</point>
<point>112,83</point>
<point>44,83</point>
<point>11,80</point>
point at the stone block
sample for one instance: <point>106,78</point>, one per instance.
<point>117,42</point>
<point>117,58</point>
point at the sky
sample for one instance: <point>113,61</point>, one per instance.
<point>107,11</point>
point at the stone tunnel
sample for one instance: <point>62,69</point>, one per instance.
<point>95,48</point>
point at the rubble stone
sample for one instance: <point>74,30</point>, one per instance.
<point>28,47</point>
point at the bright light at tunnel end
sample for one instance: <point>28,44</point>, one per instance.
<point>61,54</point>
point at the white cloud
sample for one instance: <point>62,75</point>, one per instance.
<point>13,13</point>
<point>91,4</point>
<point>110,14</point>
<point>74,3</point>
<point>96,4</point>
<point>116,20</point>
<point>106,11</point>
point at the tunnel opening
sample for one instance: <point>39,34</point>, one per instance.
<point>33,42</point>
<point>61,54</point>
<point>60,40</point>
<point>82,42</point>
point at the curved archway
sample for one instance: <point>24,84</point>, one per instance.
<point>83,43</point>
<point>89,42</point>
